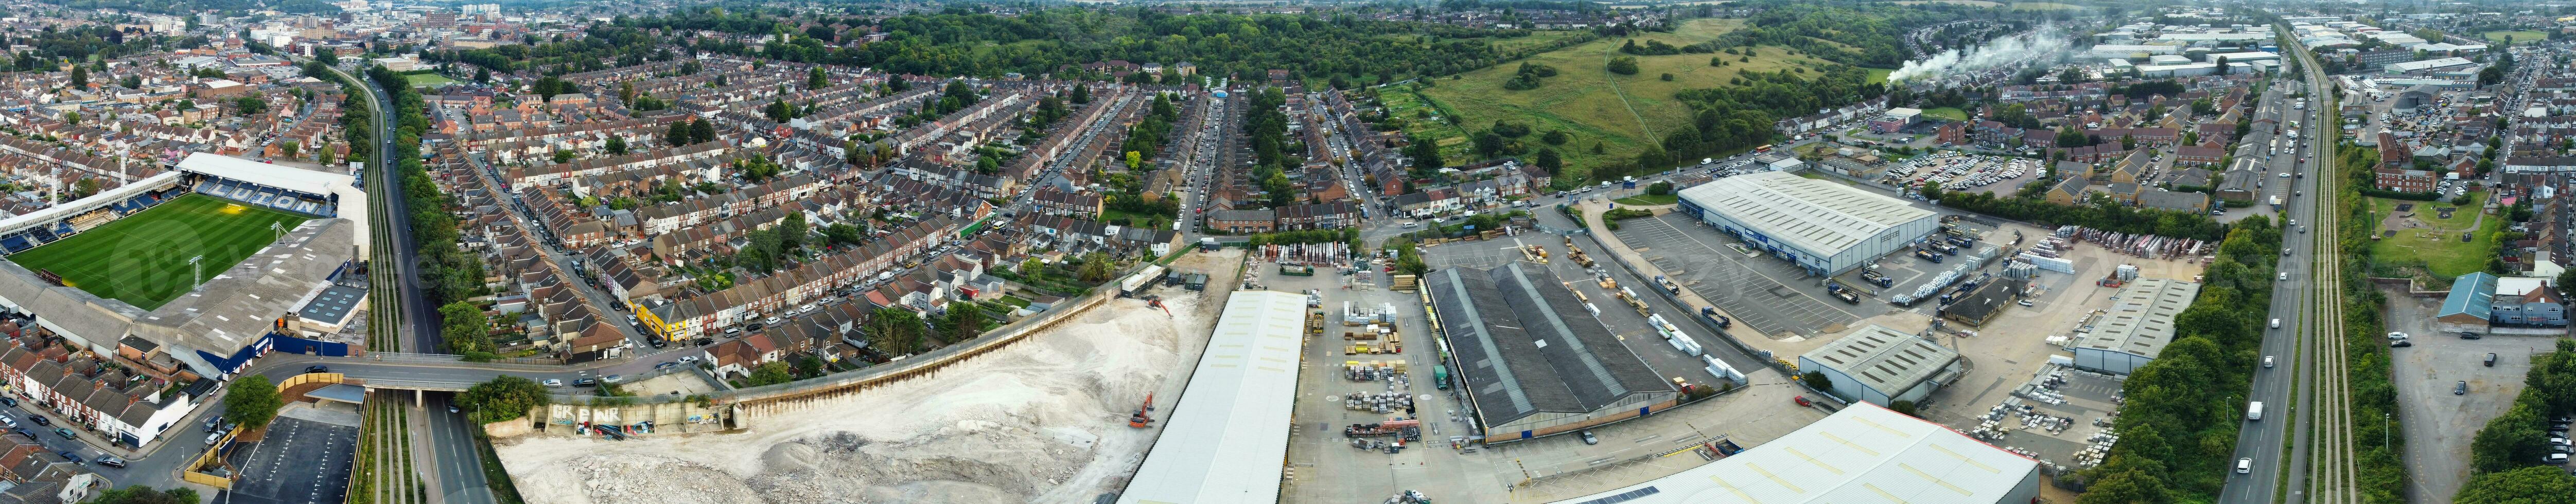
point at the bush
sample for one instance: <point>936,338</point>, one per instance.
<point>2396,195</point>
<point>1623,65</point>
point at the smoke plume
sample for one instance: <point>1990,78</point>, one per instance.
<point>2046,43</point>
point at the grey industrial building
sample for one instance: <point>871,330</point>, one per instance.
<point>1878,365</point>
<point>1823,226</point>
<point>1533,360</point>
<point>2138,325</point>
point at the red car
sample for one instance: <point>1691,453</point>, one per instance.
<point>1802,401</point>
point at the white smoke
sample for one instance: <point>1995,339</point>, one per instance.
<point>2046,43</point>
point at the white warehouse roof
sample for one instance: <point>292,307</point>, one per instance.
<point>1819,216</point>
<point>1863,453</point>
<point>1884,359</point>
<point>1227,438</point>
<point>2141,320</point>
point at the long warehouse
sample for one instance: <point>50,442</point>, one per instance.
<point>1863,453</point>
<point>1227,438</point>
<point>1824,226</point>
<point>1534,361</point>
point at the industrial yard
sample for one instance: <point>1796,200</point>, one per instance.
<point>1043,420</point>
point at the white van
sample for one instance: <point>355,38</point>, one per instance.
<point>2254,411</point>
<point>2276,323</point>
<point>2267,361</point>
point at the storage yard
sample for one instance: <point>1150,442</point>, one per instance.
<point>1043,420</point>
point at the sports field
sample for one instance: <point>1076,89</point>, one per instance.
<point>143,258</point>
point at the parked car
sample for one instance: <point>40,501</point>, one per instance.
<point>40,419</point>
<point>554,382</point>
<point>75,457</point>
<point>665,365</point>
<point>585,382</point>
<point>614,379</point>
<point>66,433</point>
<point>2461,389</point>
<point>2491,358</point>
<point>1587,437</point>
<point>2400,344</point>
<point>316,369</point>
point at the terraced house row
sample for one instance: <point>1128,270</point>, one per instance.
<point>699,315</point>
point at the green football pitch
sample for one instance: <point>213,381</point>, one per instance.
<point>143,258</point>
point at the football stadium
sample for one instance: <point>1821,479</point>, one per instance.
<point>194,270</point>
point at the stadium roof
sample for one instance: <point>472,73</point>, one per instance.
<point>2141,319</point>
<point>1819,216</point>
<point>76,207</point>
<point>1883,359</point>
<point>1227,439</point>
<point>1863,453</point>
<point>1527,346</point>
<point>282,177</point>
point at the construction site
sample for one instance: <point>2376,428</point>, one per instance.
<point>1065,415</point>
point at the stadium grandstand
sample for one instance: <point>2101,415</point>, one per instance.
<point>287,189</point>
<point>193,271</point>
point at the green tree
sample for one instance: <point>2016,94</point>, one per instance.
<point>893,330</point>
<point>771,373</point>
<point>1906,407</point>
<point>1555,137</point>
<point>251,105</point>
<point>617,145</point>
<point>289,148</point>
<point>1096,268</point>
<point>1424,151</point>
<point>964,321</point>
<point>251,402</point>
<point>678,134</point>
<point>139,494</point>
<point>502,398</point>
<point>563,156</point>
<point>816,79</point>
<point>700,131</point>
<point>2528,485</point>
<point>465,328</point>
<point>1659,188</point>
<point>1547,159</point>
<point>80,77</point>
<point>1817,380</point>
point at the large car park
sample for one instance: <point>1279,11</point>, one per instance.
<point>1954,171</point>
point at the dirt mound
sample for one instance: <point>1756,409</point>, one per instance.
<point>1040,421</point>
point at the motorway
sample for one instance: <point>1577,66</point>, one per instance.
<point>2261,440</point>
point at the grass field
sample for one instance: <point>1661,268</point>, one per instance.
<point>2519,36</point>
<point>143,258</point>
<point>1951,113</point>
<point>2437,247</point>
<point>1623,113</point>
<point>427,79</point>
<point>1879,75</point>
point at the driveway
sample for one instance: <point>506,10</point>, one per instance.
<point>2439,424</point>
